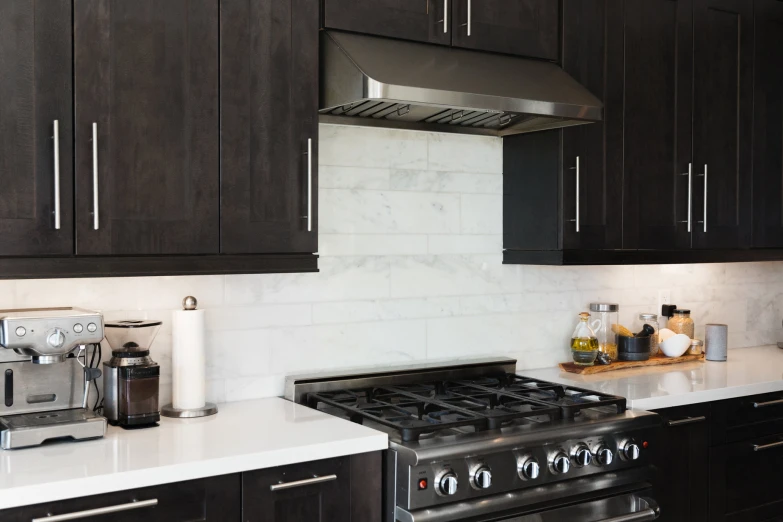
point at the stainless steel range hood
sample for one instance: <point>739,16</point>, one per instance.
<point>368,80</point>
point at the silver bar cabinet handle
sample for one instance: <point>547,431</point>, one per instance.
<point>651,511</point>
<point>576,168</point>
<point>470,17</point>
<point>690,195</point>
<point>768,403</point>
<point>445,16</point>
<point>56,138</point>
<point>705,197</point>
<point>310,185</point>
<point>95,218</point>
<point>99,511</point>
<point>763,447</point>
<point>302,483</point>
<point>689,420</point>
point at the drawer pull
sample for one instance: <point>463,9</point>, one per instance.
<point>99,511</point>
<point>301,483</point>
<point>771,445</point>
<point>687,420</point>
<point>768,403</point>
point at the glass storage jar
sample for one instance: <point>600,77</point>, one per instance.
<point>606,317</point>
<point>584,345</point>
<point>652,320</point>
<point>681,323</point>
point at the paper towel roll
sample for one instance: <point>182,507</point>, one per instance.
<point>188,359</point>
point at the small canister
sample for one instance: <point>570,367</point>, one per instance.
<point>697,347</point>
<point>681,323</point>
<point>605,318</point>
<point>652,320</point>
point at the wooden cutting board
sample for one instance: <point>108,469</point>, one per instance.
<point>658,360</point>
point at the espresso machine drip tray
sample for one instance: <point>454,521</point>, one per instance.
<point>32,429</point>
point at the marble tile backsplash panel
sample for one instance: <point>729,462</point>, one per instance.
<point>411,269</point>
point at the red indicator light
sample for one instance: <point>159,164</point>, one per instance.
<point>645,444</point>
<point>422,484</point>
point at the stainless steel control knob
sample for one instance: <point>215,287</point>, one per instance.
<point>528,468</point>
<point>448,484</point>
<point>582,456</point>
<point>56,339</point>
<point>482,478</point>
<point>604,456</point>
<point>631,451</point>
<point>561,464</point>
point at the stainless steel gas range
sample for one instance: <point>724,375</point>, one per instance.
<point>474,442</point>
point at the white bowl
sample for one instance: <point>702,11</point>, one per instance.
<point>676,345</point>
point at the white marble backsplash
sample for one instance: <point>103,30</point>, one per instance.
<point>410,243</point>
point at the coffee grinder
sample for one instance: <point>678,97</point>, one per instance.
<point>131,379</point>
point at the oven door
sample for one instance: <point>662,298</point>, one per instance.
<point>624,507</point>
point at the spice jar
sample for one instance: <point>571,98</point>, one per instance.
<point>697,347</point>
<point>681,323</point>
<point>652,320</point>
<point>584,345</point>
<point>606,317</point>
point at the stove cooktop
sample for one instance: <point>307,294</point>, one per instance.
<point>428,409</point>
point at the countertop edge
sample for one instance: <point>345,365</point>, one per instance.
<point>702,396</point>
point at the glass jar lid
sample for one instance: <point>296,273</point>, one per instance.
<point>648,317</point>
<point>682,311</point>
<point>604,307</point>
<point>697,342</point>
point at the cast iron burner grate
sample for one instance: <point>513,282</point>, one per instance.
<point>414,410</point>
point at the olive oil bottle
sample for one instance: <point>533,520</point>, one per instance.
<point>584,343</point>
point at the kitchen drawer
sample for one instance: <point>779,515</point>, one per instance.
<point>213,499</point>
<point>744,418</point>
<point>745,480</point>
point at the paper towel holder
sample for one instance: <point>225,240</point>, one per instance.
<point>209,408</point>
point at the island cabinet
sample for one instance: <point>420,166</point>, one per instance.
<point>127,146</point>
<point>343,489</point>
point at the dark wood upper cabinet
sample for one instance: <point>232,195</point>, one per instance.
<point>592,54</point>
<point>419,20</point>
<point>146,94</point>
<point>768,132</point>
<point>521,27</point>
<point>657,140</point>
<point>36,91</point>
<point>723,123</point>
<point>269,105</point>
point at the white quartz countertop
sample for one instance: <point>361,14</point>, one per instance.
<point>748,371</point>
<point>242,436</point>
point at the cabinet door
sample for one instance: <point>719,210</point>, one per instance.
<point>420,20</point>
<point>768,132</point>
<point>657,118</point>
<point>35,96</point>
<point>522,27</point>
<point>146,82</point>
<point>326,501</point>
<point>592,52</point>
<point>723,123</point>
<point>269,104</point>
<point>682,458</point>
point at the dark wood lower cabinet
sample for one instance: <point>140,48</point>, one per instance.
<point>682,456</point>
<point>344,489</point>
<point>214,499</point>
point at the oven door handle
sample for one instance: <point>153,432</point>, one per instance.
<point>649,511</point>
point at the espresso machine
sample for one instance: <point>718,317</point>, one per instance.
<point>131,379</point>
<point>45,376</point>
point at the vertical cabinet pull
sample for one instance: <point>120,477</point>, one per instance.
<point>309,215</point>
<point>576,168</point>
<point>95,218</point>
<point>470,17</point>
<point>690,195</point>
<point>705,197</point>
<point>56,138</point>
<point>445,16</point>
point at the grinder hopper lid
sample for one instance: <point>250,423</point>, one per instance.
<point>131,335</point>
